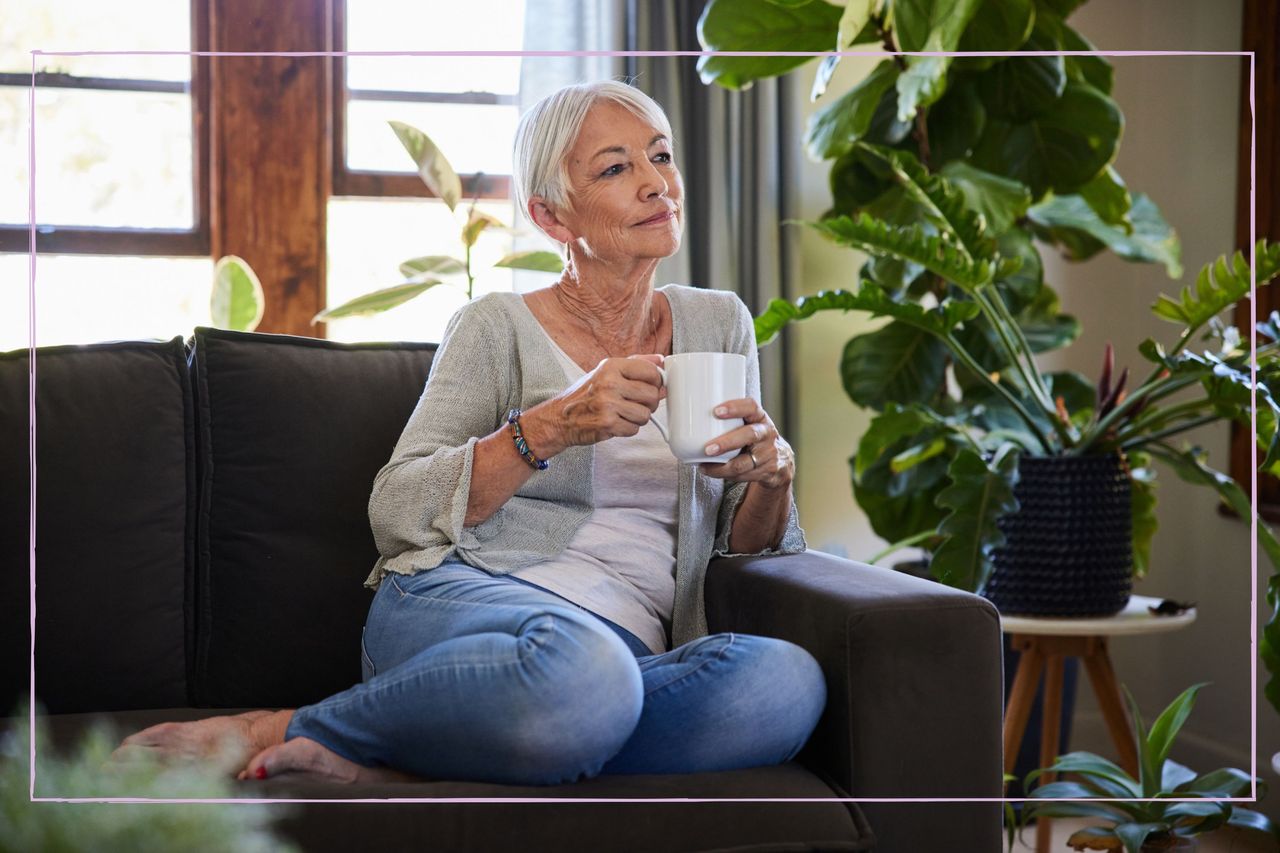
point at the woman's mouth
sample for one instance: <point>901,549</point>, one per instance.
<point>664,216</point>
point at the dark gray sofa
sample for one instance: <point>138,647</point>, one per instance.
<point>202,538</point>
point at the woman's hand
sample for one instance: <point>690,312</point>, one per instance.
<point>615,399</point>
<point>766,458</point>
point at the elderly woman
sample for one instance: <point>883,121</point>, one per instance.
<point>539,613</point>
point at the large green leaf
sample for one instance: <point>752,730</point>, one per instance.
<point>1134,835</point>
<point>955,123</point>
<point>377,301</point>
<point>1022,87</point>
<point>1094,70</point>
<point>537,261</point>
<point>1166,726</point>
<point>1096,767</point>
<point>433,166</point>
<point>1062,149</point>
<point>1250,819</point>
<point>927,25</point>
<point>1143,503</point>
<point>1109,198</point>
<point>237,301</point>
<point>833,130</point>
<point>1000,200</point>
<point>980,494</point>
<point>1190,466</point>
<point>943,204</point>
<point>910,243</point>
<point>1152,239</point>
<point>763,27</point>
<point>436,264</point>
<point>1043,324</point>
<point>1224,782</point>
<point>938,321</point>
<point>1023,285</point>
<point>1222,283</point>
<point>896,363</point>
<point>899,504</point>
<point>997,27</point>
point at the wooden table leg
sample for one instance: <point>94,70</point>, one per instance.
<point>1106,688</point>
<point>1050,733</point>
<point>1021,695</point>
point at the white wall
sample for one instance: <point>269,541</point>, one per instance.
<point>1179,146</point>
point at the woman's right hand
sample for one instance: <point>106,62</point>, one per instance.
<point>615,399</point>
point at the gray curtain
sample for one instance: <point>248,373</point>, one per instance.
<point>732,148</point>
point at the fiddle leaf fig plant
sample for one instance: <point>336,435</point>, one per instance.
<point>423,273</point>
<point>1137,814</point>
<point>951,175</point>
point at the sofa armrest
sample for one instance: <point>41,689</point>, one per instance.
<point>913,670</point>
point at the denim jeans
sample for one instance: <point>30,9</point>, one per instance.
<point>472,676</point>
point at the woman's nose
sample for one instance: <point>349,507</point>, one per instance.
<point>652,182</point>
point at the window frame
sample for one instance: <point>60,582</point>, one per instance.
<point>360,183</point>
<point>161,242</point>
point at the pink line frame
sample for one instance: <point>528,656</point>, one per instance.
<point>1253,483</point>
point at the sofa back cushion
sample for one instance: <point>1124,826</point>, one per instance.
<point>114,525</point>
<point>290,433</point>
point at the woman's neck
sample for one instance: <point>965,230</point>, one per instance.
<point>617,308</point>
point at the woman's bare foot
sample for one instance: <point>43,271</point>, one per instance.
<point>228,742</point>
<point>303,758</point>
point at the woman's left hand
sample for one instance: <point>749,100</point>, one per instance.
<point>766,458</point>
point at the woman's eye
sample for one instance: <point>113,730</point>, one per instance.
<point>615,169</point>
<point>664,157</point>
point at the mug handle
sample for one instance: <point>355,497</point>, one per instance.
<point>661,429</point>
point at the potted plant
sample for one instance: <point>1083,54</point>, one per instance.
<point>948,172</point>
<point>1150,822</point>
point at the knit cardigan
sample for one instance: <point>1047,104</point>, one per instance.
<point>495,357</point>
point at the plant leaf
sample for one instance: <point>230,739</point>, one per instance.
<point>538,261</point>
<point>832,130</point>
<point>1135,834</point>
<point>853,22</point>
<point>997,27</point>
<point>1153,240</point>
<point>1224,782</point>
<point>1094,70</point>
<point>899,504</point>
<point>1062,149</point>
<point>1144,520</point>
<point>433,166</point>
<point>1250,819</point>
<point>237,301</point>
<point>909,242</point>
<point>1094,838</point>
<point>477,222</point>
<point>759,25</point>
<point>955,122</point>
<point>377,301</point>
<point>1220,284</point>
<point>1000,201</point>
<point>1109,198</point>
<point>438,264</point>
<point>1269,647</point>
<point>980,494</point>
<point>1023,87</point>
<point>897,363</point>
<point>870,297</point>
<point>1166,726</point>
<point>1096,767</point>
<point>927,25</point>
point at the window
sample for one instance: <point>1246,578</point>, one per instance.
<point>120,168</point>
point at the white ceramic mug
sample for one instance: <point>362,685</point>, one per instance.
<point>696,383</point>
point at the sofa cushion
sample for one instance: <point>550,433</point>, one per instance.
<point>291,432</point>
<point>114,525</point>
<point>658,820</point>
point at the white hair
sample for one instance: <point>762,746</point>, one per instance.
<point>549,129</point>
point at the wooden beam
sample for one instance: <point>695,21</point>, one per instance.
<point>271,158</point>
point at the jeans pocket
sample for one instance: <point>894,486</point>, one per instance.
<point>367,669</point>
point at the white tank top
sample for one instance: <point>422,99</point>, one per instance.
<point>621,562</point>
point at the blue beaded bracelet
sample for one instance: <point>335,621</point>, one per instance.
<point>522,446</point>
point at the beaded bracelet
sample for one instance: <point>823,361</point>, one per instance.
<point>522,446</point>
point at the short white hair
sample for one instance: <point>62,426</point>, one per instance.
<point>549,129</point>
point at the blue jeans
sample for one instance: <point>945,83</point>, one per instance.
<point>472,676</point>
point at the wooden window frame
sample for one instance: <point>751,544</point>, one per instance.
<point>1261,30</point>
<point>359,183</point>
<point>165,242</point>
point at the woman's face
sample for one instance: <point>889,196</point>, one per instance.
<point>625,189</point>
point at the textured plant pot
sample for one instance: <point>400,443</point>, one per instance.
<point>1069,548</point>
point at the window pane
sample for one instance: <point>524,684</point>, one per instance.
<point>94,25</point>
<point>474,137</point>
<point>390,25</point>
<point>82,298</point>
<point>110,159</point>
<point>369,239</point>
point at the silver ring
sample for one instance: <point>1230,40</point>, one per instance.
<point>754,463</point>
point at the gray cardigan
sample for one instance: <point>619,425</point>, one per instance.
<point>495,357</point>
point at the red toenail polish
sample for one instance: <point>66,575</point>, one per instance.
<point>261,772</point>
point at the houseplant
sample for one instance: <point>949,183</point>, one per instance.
<point>86,771</point>
<point>423,273</point>
<point>946,172</point>
<point>1155,824</point>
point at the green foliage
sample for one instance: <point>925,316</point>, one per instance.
<point>1073,222</point>
<point>761,26</point>
<point>88,772</point>
<point>979,495</point>
<point>422,274</point>
<point>237,302</point>
<point>1151,818</point>
<point>1220,284</point>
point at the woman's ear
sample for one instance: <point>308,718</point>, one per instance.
<point>545,218</point>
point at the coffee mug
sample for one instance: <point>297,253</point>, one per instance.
<point>696,383</point>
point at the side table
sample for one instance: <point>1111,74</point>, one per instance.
<point>1044,644</point>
